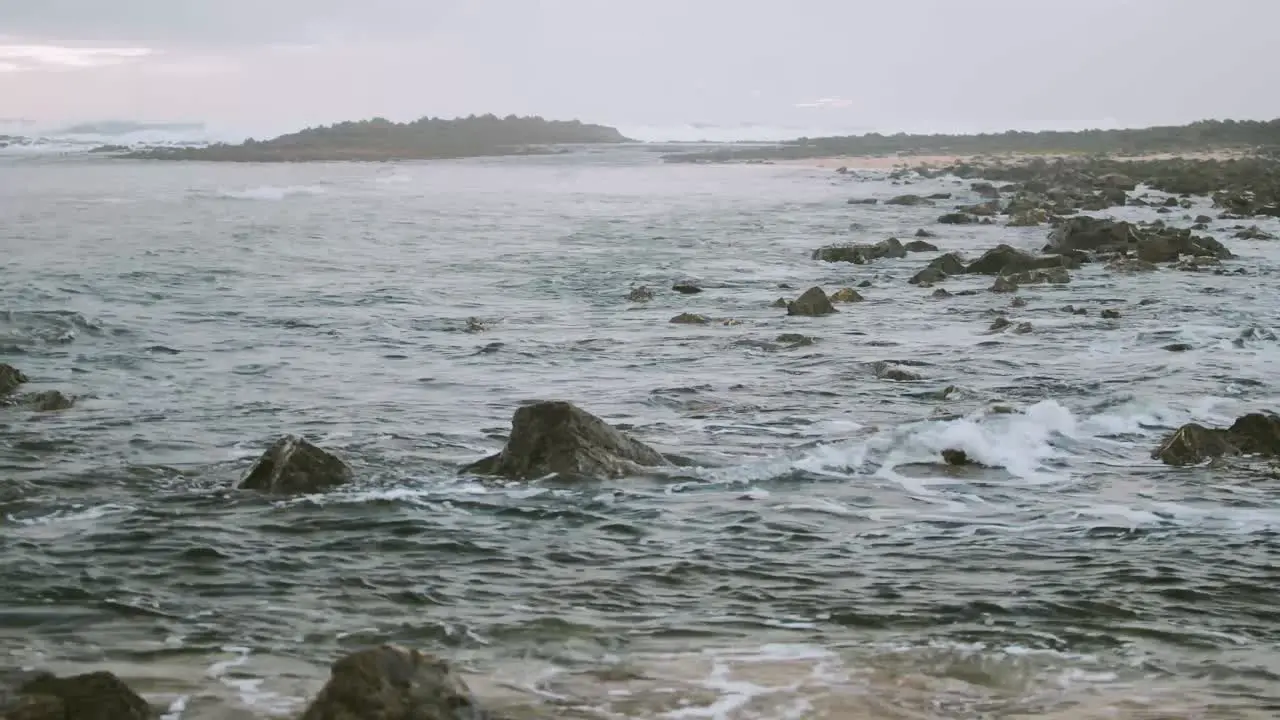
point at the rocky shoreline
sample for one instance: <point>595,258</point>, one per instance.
<point>558,438</point>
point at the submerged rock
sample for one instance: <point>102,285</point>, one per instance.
<point>10,378</point>
<point>813,303</point>
<point>1006,260</point>
<point>293,465</point>
<point>952,456</point>
<point>92,696</point>
<point>556,437</point>
<point>686,287</point>
<point>690,319</point>
<point>1152,244</point>
<point>956,218</point>
<point>861,254</point>
<point>1252,434</point>
<point>920,246</point>
<point>47,401</point>
<point>1110,314</point>
<point>640,294</point>
<point>910,200</point>
<point>949,263</point>
<point>392,683</point>
<point>846,295</point>
<point>889,371</point>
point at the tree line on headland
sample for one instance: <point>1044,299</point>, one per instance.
<point>1205,135</point>
<point>381,139</point>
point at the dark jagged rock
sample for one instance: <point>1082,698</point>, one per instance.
<point>1006,260</point>
<point>948,263</point>
<point>1004,284</point>
<point>556,437</point>
<point>922,233</point>
<point>1253,232</point>
<point>1110,314</point>
<point>292,465</point>
<point>92,696</point>
<point>794,340</point>
<point>889,371</point>
<point>908,200</point>
<point>861,254</point>
<point>392,683</point>
<point>10,378</point>
<point>940,294</point>
<point>1252,434</point>
<point>1178,347</point>
<point>957,218</point>
<point>951,456</point>
<point>640,294</point>
<point>47,401</point>
<point>999,324</point>
<point>812,303</point>
<point>846,295</point>
<point>940,196</point>
<point>1018,302</point>
<point>1152,244</point>
<point>1203,220</point>
<point>1022,328</point>
<point>686,287</point>
<point>690,319</point>
<point>985,189</point>
<point>779,303</point>
<point>862,201</point>
<point>864,284</point>
<point>928,276</point>
<point>920,246</point>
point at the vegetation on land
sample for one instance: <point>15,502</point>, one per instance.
<point>1205,135</point>
<point>381,139</point>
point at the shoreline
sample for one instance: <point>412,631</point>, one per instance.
<point>890,162</point>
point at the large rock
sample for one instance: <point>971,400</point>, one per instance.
<point>10,378</point>
<point>861,254</point>
<point>392,683</point>
<point>93,696</point>
<point>292,465</point>
<point>909,200</point>
<point>1152,244</point>
<point>1252,434</point>
<point>1006,260</point>
<point>556,437</point>
<point>949,263</point>
<point>813,303</point>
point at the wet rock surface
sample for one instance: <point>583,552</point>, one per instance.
<point>293,465</point>
<point>393,683</point>
<point>1252,434</point>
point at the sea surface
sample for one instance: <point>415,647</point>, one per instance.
<point>817,562</point>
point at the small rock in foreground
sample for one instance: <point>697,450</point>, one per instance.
<point>813,303</point>
<point>93,696</point>
<point>554,437</point>
<point>292,465</point>
<point>392,683</point>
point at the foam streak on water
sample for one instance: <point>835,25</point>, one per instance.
<point>817,563</point>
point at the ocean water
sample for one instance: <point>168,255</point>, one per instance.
<point>817,562</point>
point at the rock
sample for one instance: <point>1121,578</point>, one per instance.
<point>10,378</point>
<point>393,683</point>
<point>998,324</point>
<point>475,325</point>
<point>686,287</point>
<point>690,319</point>
<point>1178,347</point>
<point>794,340</point>
<point>888,371</point>
<point>640,294</point>
<point>1252,434</point>
<point>985,189</point>
<point>812,303</point>
<point>920,246</point>
<point>846,295</point>
<point>1022,328</point>
<point>1005,260</point>
<point>779,303</point>
<point>47,401</point>
<point>1118,181</point>
<point>948,263</point>
<point>1253,233</point>
<point>1109,314</point>
<point>908,200</point>
<point>556,437</point>
<point>983,210</point>
<point>1155,244</point>
<point>1203,220</point>
<point>1004,284</point>
<point>1075,310</point>
<point>922,233</point>
<point>293,465</point>
<point>1028,218</point>
<point>861,254</point>
<point>862,201</point>
<point>1018,302</point>
<point>952,456</point>
<point>1056,276</point>
<point>1130,266</point>
<point>940,294</point>
<point>927,276</point>
<point>956,218</point>
<point>93,696</point>
<point>940,196</point>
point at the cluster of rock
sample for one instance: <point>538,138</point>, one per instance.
<point>1252,434</point>
<point>12,379</point>
<point>379,683</point>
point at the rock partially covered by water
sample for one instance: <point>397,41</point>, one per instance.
<point>47,401</point>
<point>393,683</point>
<point>1006,260</point>
<point>10,378</point>
<point>93,696</point>
<point>861,254</point>
<point>292,465</point>
<point>557,437</point>
<point>813,303</point>
<point>1152,244</point>
<point>1252,434</point>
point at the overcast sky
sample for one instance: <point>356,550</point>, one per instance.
<point>271,65</point>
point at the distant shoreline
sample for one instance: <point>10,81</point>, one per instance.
<point>889,162</point>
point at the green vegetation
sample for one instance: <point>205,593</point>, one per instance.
<point>380,139</point>
<point>1206,135</point>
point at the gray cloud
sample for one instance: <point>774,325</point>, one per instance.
<point>900,64</point>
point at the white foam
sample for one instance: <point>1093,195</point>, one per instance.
<point>270,192</point>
